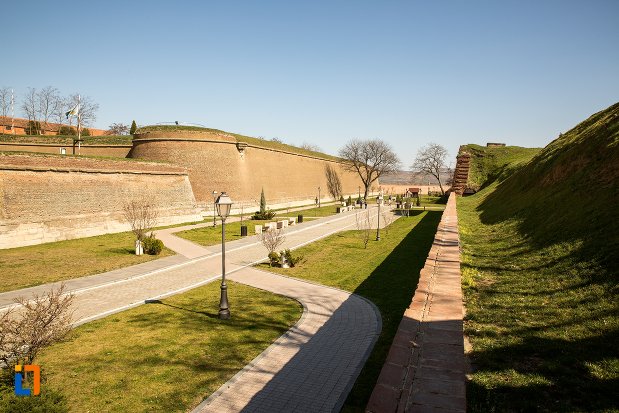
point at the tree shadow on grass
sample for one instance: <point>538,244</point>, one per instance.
<point>560,373</point>
<point>391,287</point>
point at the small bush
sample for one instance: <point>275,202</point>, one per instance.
<point>264,215</point>
<point>291,259</point>
<point>349,202</point>
<point>33,128</point>
<point>85,132</point>
<point>152,245</point>
<point>274,259</point>
<point>67,131</point>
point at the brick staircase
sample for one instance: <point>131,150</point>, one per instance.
<point>461,174</point>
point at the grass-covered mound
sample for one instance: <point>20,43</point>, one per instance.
<point>66,139</point>
<point>271,144</point>
<point>540,272</point>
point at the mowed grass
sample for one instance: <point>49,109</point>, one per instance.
<point>209,235</point>
<point>385,273</point>
<point>543,324</point>
<point>167,356</point>
<point>57,261</point>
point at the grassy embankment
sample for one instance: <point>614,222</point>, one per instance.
<point>67,140</point>
<point>385,273</point>
<point>165,356</point>
<point>540,273</point>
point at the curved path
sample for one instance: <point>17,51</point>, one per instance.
<point>313,366</point>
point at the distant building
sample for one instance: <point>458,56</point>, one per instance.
<point>494,145</point>
<point>18,126</point>
<point>412,192</point>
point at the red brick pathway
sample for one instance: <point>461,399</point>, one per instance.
<point>425,367</point>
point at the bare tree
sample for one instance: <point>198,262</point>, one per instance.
<point>118,129</point>
<point>47,99</point>
<point>5,100</point>
<point>141,214</point>
<point>61,107</point>
<point>29,106</point>
<point>310,147</point>
<point>88,108</point>
<point>370,159</point>
<point>334,185</point>
<point>364,224</point>
<point>38,323</point>
<point>430,160</point>
<point>272,239</point>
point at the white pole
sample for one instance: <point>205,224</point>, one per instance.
<point>79,127</point>
<point>12,112</point>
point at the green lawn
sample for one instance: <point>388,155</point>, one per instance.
<point>56,261</point>
<point>166,356</point>
<point>210,235</point>
<point>542,321</point>
<point>323,211</point>
<point>386,273</point>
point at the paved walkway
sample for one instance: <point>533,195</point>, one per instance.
<point>425,367</point>
<point>310,368</point>
<point>313,366</point>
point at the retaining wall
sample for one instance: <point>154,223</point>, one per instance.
<point>45,199</point>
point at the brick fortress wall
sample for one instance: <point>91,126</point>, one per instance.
<point>45,198</point>
<point>217,162</point>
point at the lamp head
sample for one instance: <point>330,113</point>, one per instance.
<point>224,205</point>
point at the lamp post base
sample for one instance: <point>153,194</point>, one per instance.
<point>224,311</point>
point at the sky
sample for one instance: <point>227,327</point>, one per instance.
<point>326,72</point>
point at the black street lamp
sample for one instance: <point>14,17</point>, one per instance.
<point>214,200</point>
<point>379,200</point>
<point>223,205</point>
<point>318,197</point>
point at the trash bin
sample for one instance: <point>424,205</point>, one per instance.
<point>300,219</point>
<point>243,230</point>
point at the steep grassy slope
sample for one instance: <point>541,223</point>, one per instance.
<point>540,273</point>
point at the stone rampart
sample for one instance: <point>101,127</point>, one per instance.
<point>45,198</point>
<point>217,161</point>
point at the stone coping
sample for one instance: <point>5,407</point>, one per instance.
<point>425,367</point>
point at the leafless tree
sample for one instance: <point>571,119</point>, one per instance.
<point>370,159</point>
<point>47,99</point>
<point>118,129</point>
<point>30,104</point>
<point>5,101</point>
<point>141,214</point>
<point>60,109</point>
<point>334,184</point>
<point>364,224</point>
<point>272,239</point>
<point>387,217</point>
<point>38,323</point>
<point>430,160</point>
<point>88,109</point>
<point>310,147</point>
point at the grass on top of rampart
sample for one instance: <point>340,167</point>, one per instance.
<point>270,144</point>
<point>66,139</point>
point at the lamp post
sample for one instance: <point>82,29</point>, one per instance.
<point>379,200</point>
<point>214,200</point>
<point>223,205</point>
<point>318,197</point>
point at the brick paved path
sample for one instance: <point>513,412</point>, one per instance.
<point>425,367</point>
<point>313,366</point>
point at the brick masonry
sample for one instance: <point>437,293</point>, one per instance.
<point>425,368</point>
<point>45,199</point>
<point>215,162</point>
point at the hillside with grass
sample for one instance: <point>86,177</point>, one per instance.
<point>540,269</point>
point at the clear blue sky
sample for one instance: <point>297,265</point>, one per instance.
<point>407,72</point>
